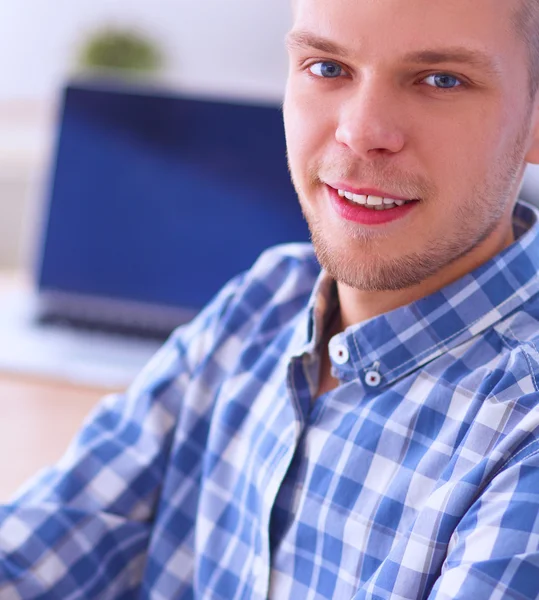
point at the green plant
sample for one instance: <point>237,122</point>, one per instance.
<point>117,49</point>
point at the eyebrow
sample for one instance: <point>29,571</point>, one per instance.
<point>457,54</point>
<point>305,40</point>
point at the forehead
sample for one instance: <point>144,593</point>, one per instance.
<point>389,28</point>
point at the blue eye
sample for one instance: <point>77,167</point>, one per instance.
<point>328,70</point>
<point>443,81</point>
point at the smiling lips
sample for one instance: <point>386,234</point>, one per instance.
<point>372,202</point>
<point>368,209</point>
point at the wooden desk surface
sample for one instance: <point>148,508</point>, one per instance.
<point>38,418</point>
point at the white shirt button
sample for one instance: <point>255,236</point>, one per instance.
<point>339,353</point>
<point>373,378</point>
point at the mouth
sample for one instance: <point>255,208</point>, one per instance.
<point>374,201</point>
<point>368,206</point>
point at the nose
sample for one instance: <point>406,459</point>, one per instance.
<point>370,122</point>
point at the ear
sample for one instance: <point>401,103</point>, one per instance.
<point>532,155</point>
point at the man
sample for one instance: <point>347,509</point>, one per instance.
<point>367,431</point>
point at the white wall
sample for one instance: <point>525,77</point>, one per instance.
<point>212,43</point>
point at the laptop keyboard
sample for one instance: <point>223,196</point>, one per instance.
<point>74,350</point>
<point>130,330</point>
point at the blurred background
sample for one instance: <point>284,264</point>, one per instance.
<point>233,47</point>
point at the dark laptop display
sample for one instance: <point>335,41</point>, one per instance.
<point>159,199</point>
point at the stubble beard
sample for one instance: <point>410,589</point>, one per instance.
<point>357,258</point>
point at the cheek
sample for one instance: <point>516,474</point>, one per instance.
<point>454,156</point>
<point>471,159</point>
<point>463,141</point>
<point>297,137</point>
<point>308,133</point>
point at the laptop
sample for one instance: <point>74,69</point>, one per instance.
<point>155,201</point>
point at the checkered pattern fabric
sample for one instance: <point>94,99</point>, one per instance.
<point>219,475</point>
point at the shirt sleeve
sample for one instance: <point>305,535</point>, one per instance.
<point>494,552</point>
<point>81,529</point>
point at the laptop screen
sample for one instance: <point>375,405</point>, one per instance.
<point>161,199</point>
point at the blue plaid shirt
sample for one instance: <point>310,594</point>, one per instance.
<point>219,475</point>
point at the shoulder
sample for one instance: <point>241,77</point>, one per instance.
<point>250,310</point>
<point>268,296</point>
<point>286,261</point>
<point>282,274</point>
<point>508,411</point>
<point>519,333</point>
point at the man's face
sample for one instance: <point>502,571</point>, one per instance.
<point>412,100</point>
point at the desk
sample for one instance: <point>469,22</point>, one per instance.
<point>38,419</point>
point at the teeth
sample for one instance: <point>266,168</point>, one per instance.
<point>374,202</point>
<point>360,199</point>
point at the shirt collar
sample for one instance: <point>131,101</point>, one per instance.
<point>398,342</point>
